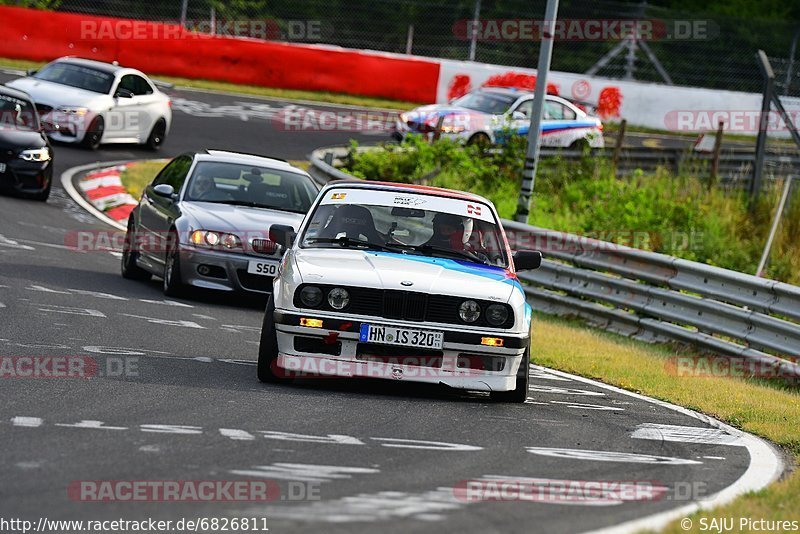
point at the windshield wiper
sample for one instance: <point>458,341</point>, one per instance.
<point>346,242</point>
<point>461,254</point>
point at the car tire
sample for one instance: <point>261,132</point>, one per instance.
<point>173,286</point>
<point>129,269</point>
<point>581,145</point>
<point>94,134</point>
<point>157,135</point>
<point>520,393</point>
<point>268,370</point>
<point>481,140</point>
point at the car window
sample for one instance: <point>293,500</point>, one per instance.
<point>252,185</point>
<point>174,173</point>
<point>525,108</point>
<point>135,84</point>
<point>17,114</point>
<point>79,76</point>
<point>557,111</point>
<point>409,223</point>
<point>493,103</point>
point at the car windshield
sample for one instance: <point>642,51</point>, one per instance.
<point>17,114</point>
<point>78,76</point>
<point>493,103</point>
<point>406,223</point>
<point>248,185</point>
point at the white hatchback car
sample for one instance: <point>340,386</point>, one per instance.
<point>400,282</point>
<point>91,103</point>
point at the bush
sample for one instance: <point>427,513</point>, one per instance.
<point>661,212</point>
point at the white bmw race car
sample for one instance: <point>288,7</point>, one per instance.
<point>400,282</point>
<point>490,114</point>
<point>92,103</point>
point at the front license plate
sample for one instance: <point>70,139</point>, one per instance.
<point>2,168</point>
<point>409,337</point>
<point>264,268</point>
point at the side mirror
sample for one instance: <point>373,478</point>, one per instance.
<point>31,72</point>
<point>282,234</point>
<point>165,190</point>
<point>123,93</point>
<point>518,116</point>
<point>526,260</point>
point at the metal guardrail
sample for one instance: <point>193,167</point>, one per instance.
<point>735,165</point>
<point>648,295</point>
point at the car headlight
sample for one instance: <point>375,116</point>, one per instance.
<point>35,154</point>
<point>496,314</point>
<point>77,111</point>
<point>311,296</point>
<point>469,311</point>
<point>221,240</point>
<point>338,298</point>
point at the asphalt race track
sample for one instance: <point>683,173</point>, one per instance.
<point>175,398</point>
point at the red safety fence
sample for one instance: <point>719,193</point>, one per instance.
<point>168,49</point>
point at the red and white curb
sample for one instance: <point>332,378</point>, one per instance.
<point>104,190</point>
<point>100,191</point>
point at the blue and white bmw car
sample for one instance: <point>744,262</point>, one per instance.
<point>487,115</point>
<point>400,282</point>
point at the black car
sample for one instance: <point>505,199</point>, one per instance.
<point>26,157</point>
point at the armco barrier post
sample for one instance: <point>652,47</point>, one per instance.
<point>535,131</point>
<point>761,141</point>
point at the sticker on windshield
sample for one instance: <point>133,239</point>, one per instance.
<point>393,199</point>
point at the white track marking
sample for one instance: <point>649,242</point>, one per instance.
<point>609,456</point>
<point>50,308</point>
<point>30,422</point>
<point>398,443</point>
<point>584,406</point>
<point>167,303</point>
<point>10,243</point>
<point>172,429</point>
<point>2,305</point>
<point>565,391</point>
<point>91,424</point>
<point>304,472</point>
<point>686,434</point>
<point>236,434</point>
<point>167,322</point>
<point>330,438</point>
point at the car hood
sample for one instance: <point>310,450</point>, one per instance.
<point>55,94</point>
<point>387,270</point>
<point>15,139</point>
<point>228,218</point>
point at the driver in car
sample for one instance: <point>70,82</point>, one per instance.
<point>205,188</point>
<point>448,232</point>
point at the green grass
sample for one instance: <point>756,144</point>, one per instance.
<point>769,410</point>
<point>289,94</point>
<point>136,177</point>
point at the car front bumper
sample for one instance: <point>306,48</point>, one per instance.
<point>26,176</point>
<point>227,271</point>
<point>335,350</point>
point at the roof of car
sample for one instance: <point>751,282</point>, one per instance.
<point>506,91</point>
<point>110,68</point>
<point>16,93</point>
<point>412,188</point>
<point>245,159</point>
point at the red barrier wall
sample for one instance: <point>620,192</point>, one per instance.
<point>168,49</point>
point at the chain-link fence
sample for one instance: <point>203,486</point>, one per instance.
<point>686,48</point>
